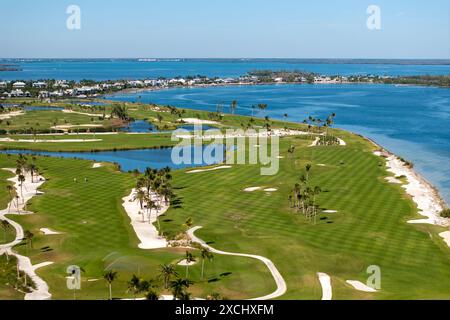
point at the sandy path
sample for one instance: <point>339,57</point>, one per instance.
<point>145,230</point>
<point>325,282</point>
<point>29,191</point>
<point>281,284</point>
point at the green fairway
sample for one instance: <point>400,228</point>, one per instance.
<point>106,142</point>
<point>47,119</point>
<point>369,227</point>
<point>96,235</point>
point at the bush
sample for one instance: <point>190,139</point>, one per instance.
<point>445,213</point>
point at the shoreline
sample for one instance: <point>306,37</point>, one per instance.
<point>441,201</point>
<point>425,196</point>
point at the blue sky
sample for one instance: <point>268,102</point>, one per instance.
<point>217,28</point>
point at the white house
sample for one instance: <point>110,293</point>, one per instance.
<point>2,84</point>
<point>17,93</point>
<point>39,84</point>
<point>19,85</point>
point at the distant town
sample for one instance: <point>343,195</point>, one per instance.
<point>54,89</point>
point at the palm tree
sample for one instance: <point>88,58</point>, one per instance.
<point>167,271</point>
<point>262,106</point>
<point>21,179</point>
<point>10,189</point>
<point>316,191</point>
<point>28,236</point>
<point>233,106</point>
<point>5,226</point>
<point>133,285</point>
<point>152,295</point>
<point>110,276</point>
<point>206,254</point>
<point>140,197</point>
<point>308,168</point>
<point>189,259</point>
<point>178,287</point>
<point>32,168</point>
<point>189,222</point>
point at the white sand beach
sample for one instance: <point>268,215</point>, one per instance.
<point>423,194</point>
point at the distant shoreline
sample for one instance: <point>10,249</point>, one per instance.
<point>237,60</point>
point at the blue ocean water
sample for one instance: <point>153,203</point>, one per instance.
<point>411,121</point>
<point>133,69</point>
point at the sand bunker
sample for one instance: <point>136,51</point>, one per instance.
<point>330,211</point>
<point>316,141</point>
<point>185,263</point>
<point>446,236</point>
<point>251,189</point>
<point>12,114</point>
<point>145,230</point>
<point>48,232</point>
<point>270,190</point>
<point>211,169</point>
<point>325,282</point>
<point>358,285</point>
<point>70,126</point>
<point>197,121</point>
<point>97,165</point>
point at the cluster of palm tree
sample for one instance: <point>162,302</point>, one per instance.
<point>318,123</point>
<point>121,112</point>
<point>22,167</point>
<point>303,196</point>
<point>156,182</point>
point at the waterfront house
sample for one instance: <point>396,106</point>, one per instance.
<point>19,85</point>
<point>39,84</point>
